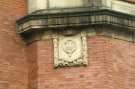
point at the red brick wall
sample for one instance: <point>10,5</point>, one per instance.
<point>33,67</point>
<point>13,64</point>
<point>111,61</point>
<point>130,1</point>
<point>111,66</point>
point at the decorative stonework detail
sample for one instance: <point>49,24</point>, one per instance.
<point>70,50</point>
<point>69,47</point>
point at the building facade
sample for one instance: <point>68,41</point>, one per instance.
<point>67,44</point>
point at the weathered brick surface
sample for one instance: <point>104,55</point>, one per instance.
<point>33,67</point>
<point>111,61</point>
<point>13,65</point>
<point>111,66</point>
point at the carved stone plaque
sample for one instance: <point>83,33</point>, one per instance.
<point>70,50</point>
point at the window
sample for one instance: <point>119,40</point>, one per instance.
<point>117,5</point>
<point>34,5</point>
<point>65,3</point>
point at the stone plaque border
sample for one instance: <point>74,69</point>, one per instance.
<point>78,62</point>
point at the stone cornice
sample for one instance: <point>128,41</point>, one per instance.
<point>74,19</point>
<point>36,23</point>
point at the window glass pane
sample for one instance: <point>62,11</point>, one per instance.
<point>65,3</point>
<point>41,4</point>
<point>34,5</point>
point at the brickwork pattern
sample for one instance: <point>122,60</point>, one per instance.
<point>13,63</point>
<point>111,66</point>
<point>111,61</point>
